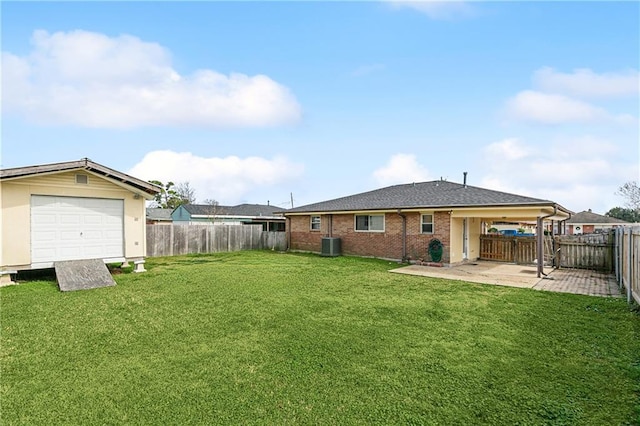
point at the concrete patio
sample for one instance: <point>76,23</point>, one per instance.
<point>576,281</point>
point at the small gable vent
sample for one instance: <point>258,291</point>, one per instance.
<point>82,179</point>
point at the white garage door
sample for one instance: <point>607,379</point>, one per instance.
<point>69,228</point>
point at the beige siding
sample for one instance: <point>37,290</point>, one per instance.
<point>456,240</point>
<point>15,196</point>
<point>475,230</point>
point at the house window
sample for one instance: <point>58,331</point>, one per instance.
<point>315,223</point>
<point>426,224</point>
<point>370,223</point>
<point>276,226</point>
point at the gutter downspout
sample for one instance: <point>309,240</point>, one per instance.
<point>288,229</point>
<point>404,235</point>
<point>540,241</point>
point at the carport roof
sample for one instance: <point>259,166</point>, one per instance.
<point>85,164</point>
<point>437,194</point>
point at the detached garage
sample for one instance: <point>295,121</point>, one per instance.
<point>70,211</point>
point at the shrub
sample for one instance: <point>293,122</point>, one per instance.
<point>435,250</point>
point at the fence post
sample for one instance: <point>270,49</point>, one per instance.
<point>622,252</point>
<point>617,255</point>
<point>630,259</point>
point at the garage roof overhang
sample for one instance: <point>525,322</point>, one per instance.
<point>135,185</point>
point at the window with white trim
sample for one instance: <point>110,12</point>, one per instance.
<point>370,223</point>
<point>426,223</point>
<point>315,223</point>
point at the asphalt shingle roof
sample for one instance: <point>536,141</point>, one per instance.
<point>239,210</point>
<point>86,164</point>
<point>433,194</point>
<point>159,214</point>
<point>590,217</point>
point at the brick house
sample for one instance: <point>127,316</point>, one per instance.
<point>398,222</point>
<point>588,222</point>
<point>270,217</point>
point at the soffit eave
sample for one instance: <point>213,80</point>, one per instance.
<point>497,211</point>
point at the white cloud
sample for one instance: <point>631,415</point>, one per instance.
<point>508,150</point>
<point>227,180</point>
<point>584,147</point>
<point>556,98</point>
<point>546,108</point>
<point>579,173</point>
<point>367,69</point>
<point>401,168</point>
<point>584,82</point>
<point>441,10</point>
<point>93,80</point>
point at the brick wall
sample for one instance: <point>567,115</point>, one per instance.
<point>302,237</point>
<point>387,244</point>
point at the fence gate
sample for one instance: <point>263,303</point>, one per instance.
<point>589,251</point>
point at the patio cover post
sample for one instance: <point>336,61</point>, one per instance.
<point>540,240</point>
<point>539,246</point>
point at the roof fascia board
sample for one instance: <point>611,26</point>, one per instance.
<point>320,213</point>
<point>123,185</point>
<point>44,173</point>
<point>233,216</point>
<point>595,223</point>
<point>148,189</point>
<point>111,174</point>
<point>20,172</point>
<point>507,212</point>
<point>530,210</point>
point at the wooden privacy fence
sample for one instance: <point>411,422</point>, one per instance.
<point>176,239</point>
<point>589,251</point>
<point>627,261</point>
<point>508,248</point>
<point>593,251</point>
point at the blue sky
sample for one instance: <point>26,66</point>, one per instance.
<point>255,101</point>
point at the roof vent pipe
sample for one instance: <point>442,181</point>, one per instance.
<point>464,181</point>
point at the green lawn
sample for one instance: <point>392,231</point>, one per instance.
<point>271,338</point>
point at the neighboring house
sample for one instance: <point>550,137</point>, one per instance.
<point>398,222</point>
<point>69,211</point>
<point>157,216</point>
<point>588,222</point>
<point>269,217</point>
<point>514,227</point>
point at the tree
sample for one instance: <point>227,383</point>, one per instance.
<point>631,191</point>
<point>173,195</point>
<point>621,213</point>
<point>213,208</point>
<point>186,193</point>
